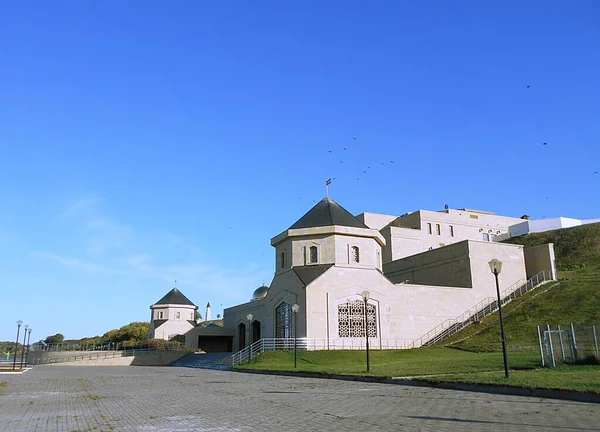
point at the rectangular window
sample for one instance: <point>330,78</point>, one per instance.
<point>313,255</point>
<point>160,315</point>
<point>438,229</point>
<point>429,228</point>
<point>474,216</point>
<point>486,237</point>
<point>177,316</point>
<point>282,259</point>
<point>451,231</point>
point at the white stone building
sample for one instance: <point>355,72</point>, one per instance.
<point>420,269</point>
<point>172,316</point>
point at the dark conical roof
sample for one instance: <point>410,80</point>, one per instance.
<point>175,297</point>
<point>326,213</point>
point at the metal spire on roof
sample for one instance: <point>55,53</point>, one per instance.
<point>327,183</point>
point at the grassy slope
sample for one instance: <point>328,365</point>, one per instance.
<point>392,363</point>
<point>578,378</point>
<point>575,300</point>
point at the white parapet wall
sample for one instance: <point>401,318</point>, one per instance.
<point>106,358</point>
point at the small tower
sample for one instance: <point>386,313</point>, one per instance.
<point>171,316</point>
<point>208,311</point>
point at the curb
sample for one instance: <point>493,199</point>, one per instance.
<point>478,388</point>
<point>15,373</point>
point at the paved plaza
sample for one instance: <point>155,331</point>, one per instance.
<point>71,398</point>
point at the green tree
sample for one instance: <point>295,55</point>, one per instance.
<point>57,338</point>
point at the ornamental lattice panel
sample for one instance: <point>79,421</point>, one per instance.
<point>351,319</point>
<point>283,321</point>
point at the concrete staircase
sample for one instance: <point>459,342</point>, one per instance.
<point>213,361</point>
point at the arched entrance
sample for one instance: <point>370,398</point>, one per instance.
<point>241,336</point>
<point>255,331</point>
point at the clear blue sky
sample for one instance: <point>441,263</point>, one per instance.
<point>147,141</point>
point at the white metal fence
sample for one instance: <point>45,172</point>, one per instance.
<point>315,344</point>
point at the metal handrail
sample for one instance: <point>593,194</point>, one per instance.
<point>275,344</point>
<point>482,309</point>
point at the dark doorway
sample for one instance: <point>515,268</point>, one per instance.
<point>255,331</point>
<point>215,343</point>
<point>241,336</point>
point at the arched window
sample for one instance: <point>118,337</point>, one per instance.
<point>160,315</point>
<point>283,321</point>
<point>313,255</point>
<point>177,315</point>
<point>354,254</point>
<point>351,319</point>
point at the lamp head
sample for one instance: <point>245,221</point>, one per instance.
<point>365,295</point>
<point>250,317</point>
<point>495,266</point>
<point>295,308</point>
<point>19,323</point>
<point>26,327</point>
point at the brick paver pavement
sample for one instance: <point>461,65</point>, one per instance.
<point>171,399</point>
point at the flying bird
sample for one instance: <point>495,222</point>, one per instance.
<point>329,151</point>
<point>344,148</point>
<point>364,172</point>
<point>391,161</point>
<point>527,86</point>
<point>354,138</point>
<point>545,144</point>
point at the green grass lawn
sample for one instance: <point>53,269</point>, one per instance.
<point>393,363</point>
<point>577,378</point>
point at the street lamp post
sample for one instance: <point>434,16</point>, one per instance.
<point>496,268</point>
<point>365,295</point>
<point>16,344</point>
<point>250,317</point>
<point>23,346</point>
<point>295,309</point>
<point>28,340</point>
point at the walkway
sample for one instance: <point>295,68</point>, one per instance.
<point>171,399</point>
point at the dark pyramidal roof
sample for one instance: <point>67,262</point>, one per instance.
<point>175,297</point>
<point>326,213</point>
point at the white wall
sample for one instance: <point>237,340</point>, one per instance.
<point>543,225</point>
<point>405,311</point>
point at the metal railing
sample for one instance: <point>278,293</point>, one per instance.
<point>112,346</point>
<point>96,355</point>
<point>482,309</point>
<point>315,344</point>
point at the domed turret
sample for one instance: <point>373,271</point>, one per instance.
<point>260,292</point>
